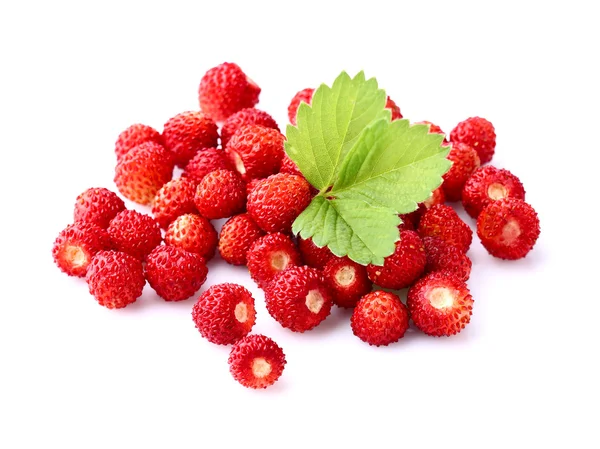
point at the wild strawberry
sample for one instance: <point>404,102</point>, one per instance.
<point>245,117</point>
<point>298,298</point>
<point>192,233</point>
<point>440,304</point>
<point>277,200</point>
<point>508,228</point>
<point>237,236</point>
<point>313,255</point>
<point>115,279</point>
<point>224,313</point>
<point>403,267</point>
<point>133,136</point>
<point>347,280</point>
<point>220,194</point>
<point>288,166</point>
<point>97,205</point>
<point>187,133</point>
<point>444,257</point>
<point>433,129</point>
<point>464,162</point>
<point>379,318</point>
<point>269,255</point>
<point>175,274</point>
<point>173,199</point>
<point>256,361</point>
<point>407,223</point>
<point>437,197</point>
<point>478,133</point>
<point>143,171</point>
<point>204,162</point>
<point>75,246</point>
<point>225,90</point>
<point>489,184</point>
<point>134,233</point>
<point>392,106</point>
<point>305,95</point>
<point>255,151</point>
<point>250,185</point>
<point>443,222</point>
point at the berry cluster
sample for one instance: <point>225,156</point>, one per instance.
<point>234,166</point>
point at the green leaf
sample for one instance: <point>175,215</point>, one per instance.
<point>393,165</point>
<point>328,128</point>
<point>352,227</point>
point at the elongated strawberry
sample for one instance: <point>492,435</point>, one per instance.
<point>77,244</point>
<point>236,237</point>
<point>256,361</point>
<point>347,280</point>
<point>379,318</point>
<point>269,255</point>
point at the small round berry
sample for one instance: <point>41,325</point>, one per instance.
<point>379,318</point>
<point>305,95</point>
<point>205,161</point>
<point>479,133</point>
<point>464,162</point>
<point>255,151</point>
<point>97,205</point>
<point>173,199</point>
<point>313,255</point>
<point>245,117</point>
<point>220,194</point>
<point>192,233</point>
<point>288,166</point>
<point>135,135</point>
<point>443,222</point>
<point>269,255</point>
<point>134,233</point>
<point>256,361</point>
<point>187,133</point>
<point>444,257</point>
<point>347,280</point>
<point>237,236</point>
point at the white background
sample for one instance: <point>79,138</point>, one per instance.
<point>76,375</point>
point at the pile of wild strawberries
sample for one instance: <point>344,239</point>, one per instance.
<point>249,178</point>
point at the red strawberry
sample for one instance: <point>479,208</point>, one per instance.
<point>276,201</point>
<point>379,318</point>
<point>269,255</point>
<point>440,304</point>
<point>298,298</point>
<point>444,257</point>
<point>403,267</point>
<point>443,222</point>
<point>143,171</point>
<point>134,233</point>
<point>255,151</point>
<point>225,90</point>
<point>478,133</point>
<point>204,162</point>
<point>508,228</point>
<point>487,185</point>
<point>98,206</point>
<point>115,279</point>
<point>305,95</point>
<point>245,117</point>
<point>347,280</point>
<point>288,166</point>
<point>250,185</point>
<point>175,274</point>
<point>220,194</point>
<point>133,136</point>
<point>75,246</point>
<point>437,197</point>
<point>313,255</point>
<point>464,162</point>
<point>433,129</point>
<point>237,236</point>
<point>256,361</point>
<point>192,233</point>
<point>224,313</point>
<point>187,133</point>
<point>173,199</point>
<point>391,105</point>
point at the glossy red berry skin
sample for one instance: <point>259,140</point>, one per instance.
<point>97,205</point>
<point>464,162</point>
<point>192,233</point>
<point>187,133</point>
<point>255,151</point>
<point>220,194</point>
<point>314,256</point>
<point>393,107</point>
<point>508,228</point>
<point>444,257</point>
<point>76,245</point>
<point>403,267</point>
<point>443,222</point>
<point>175,274</point>
<point>245,117</point>
<point>288,166</point>
<point>379,318</point>
<point>236,237</point>
<point>174,199</point>
<point>489,184</point>
<point>224,313</point>
<point>305,95</point>
<point>277,201</point>
<point>225,90</point>
<point>134,233</point>
<point>204,162</point>
<point>135,135</point>
<point>256,361</point>
<point>298,298</point>
<point>347,280</point>
<point>478,133</point>
<point>115,279</point>
<point>440,304</point>
<point>437,197</point>
<point>270,255</point>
